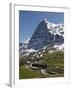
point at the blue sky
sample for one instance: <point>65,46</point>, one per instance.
<point>28,21</point>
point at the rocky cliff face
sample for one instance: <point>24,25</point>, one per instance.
<point>45,34</point>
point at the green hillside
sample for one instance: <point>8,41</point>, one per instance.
<point>53,60</point>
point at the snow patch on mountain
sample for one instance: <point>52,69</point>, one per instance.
<point>59,47</point>
<point>30,50</point>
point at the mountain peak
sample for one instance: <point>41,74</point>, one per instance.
<point>45,34</point>
<point>45,20</point>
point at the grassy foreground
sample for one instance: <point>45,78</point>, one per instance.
<point>29,73</point>
<point>55,59</point>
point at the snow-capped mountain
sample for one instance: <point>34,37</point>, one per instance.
<point>46,34</point>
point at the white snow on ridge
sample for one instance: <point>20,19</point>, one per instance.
<point>59,47</point>
<point>30,50</point>
<point>27,51</point>
<point>55,28</point>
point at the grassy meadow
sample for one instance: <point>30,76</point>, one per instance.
<point>53,60</point>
